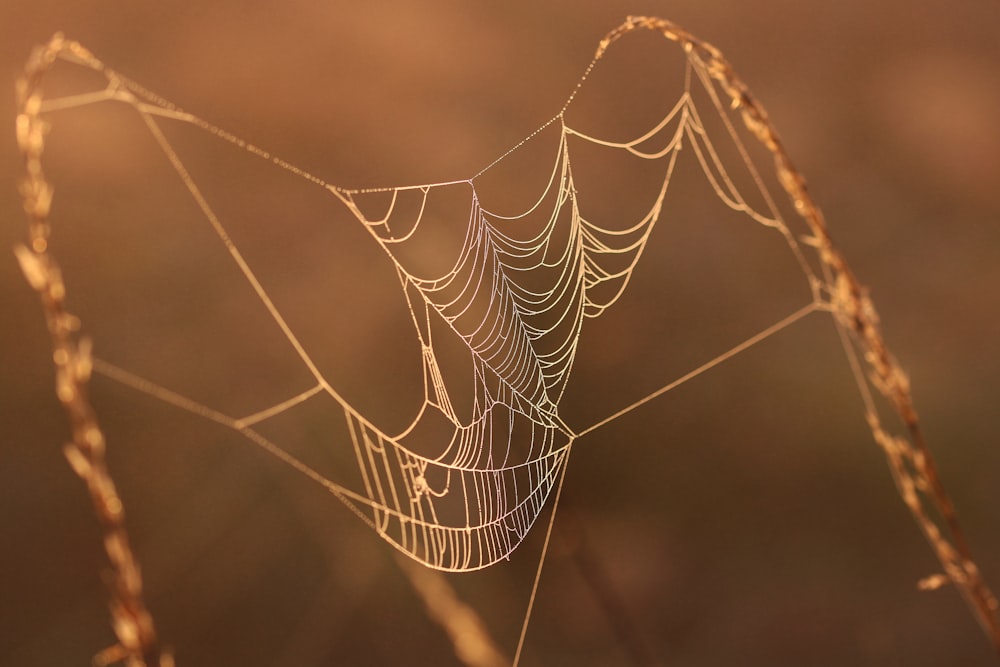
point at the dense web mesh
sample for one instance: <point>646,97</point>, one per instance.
<point>459,487</point>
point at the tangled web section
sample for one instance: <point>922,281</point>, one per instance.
<point>458,489</point>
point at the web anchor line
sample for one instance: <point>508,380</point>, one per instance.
<point>712,363</point>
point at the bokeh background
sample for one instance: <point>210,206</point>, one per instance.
<point>744,519</point>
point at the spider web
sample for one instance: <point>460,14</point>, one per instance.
<point>459,489</point>
<point>461,483</point>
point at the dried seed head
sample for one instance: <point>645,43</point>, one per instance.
<point>933,582</point>
<point>32,267</point>
<point>77,461</point>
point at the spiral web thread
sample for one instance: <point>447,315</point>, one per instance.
<point>517,297</point>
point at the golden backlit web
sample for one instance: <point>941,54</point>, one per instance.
<point>460,486</point>
<point>460,490</point>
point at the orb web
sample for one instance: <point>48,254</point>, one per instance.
<point>460,485</point>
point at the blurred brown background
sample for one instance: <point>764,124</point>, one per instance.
<point>744,519</point>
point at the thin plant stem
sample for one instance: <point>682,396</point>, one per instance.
<point>909,457</point>
<point>131,621</point>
